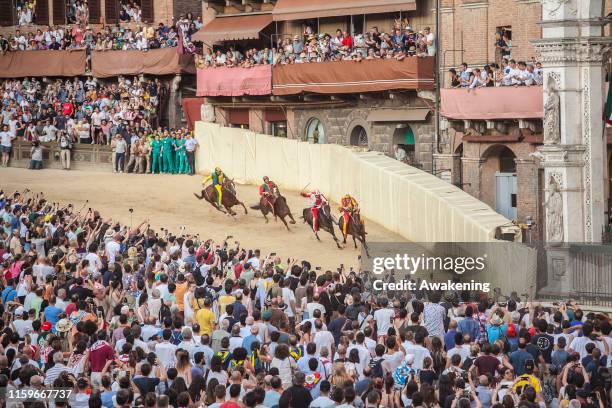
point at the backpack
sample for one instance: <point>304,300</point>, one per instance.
<point>164,311</point>
<point>401,374</point>
<point>376,366</point>
<point>548,392</point>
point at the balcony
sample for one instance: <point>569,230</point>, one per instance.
<point>354,77</point>
<point>498,103</point>
<point>341,77</point>
<point>104,64</point>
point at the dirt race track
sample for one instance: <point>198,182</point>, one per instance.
<point>168,201</point>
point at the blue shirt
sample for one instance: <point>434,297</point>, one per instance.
<point>248,342</point>
<point>107,399</point>
<point>496,332</point>
<point>517,359</point>
<point>449,340</point>
<point>52,315</point>
<point>470,326</point>
<point>8,294</point>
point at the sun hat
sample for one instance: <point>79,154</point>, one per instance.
<point>63,325</point>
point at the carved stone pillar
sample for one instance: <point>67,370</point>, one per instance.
<point>573,50</point>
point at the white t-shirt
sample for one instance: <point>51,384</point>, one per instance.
<point>384,320</point>
<point>463,351</point>
<point>112,250</point>
<point>95,264</point>
<point>288,297</point>
<point>323,339</point>
<point>579,346</point>
<point>6,139</point>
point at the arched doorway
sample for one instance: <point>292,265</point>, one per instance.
<point>315,133</point>
<point>359,137</point>
<point>498,183</point>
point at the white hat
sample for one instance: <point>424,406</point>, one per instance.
<point>19,311</point>
<point>63,325</point>
<point>409,358</point>
<point>125,309</point>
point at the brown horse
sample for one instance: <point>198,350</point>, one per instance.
<point>325,221</point>
<point>277,205</point>
<point>228,199</point>
<point>355,228</point>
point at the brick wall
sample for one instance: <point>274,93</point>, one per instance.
<point>339,122</point>
<point>470,25</point>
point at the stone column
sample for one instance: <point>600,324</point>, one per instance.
<point>572,51</point>
<point>174,102</point>
<point>527,194</point>
<point>448,167</point>
<point>471,175</point>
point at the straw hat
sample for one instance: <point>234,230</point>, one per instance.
<point>63,325</point>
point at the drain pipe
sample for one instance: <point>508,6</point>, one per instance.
<point>438,73</point>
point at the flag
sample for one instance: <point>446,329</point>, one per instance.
<point>608,107</point>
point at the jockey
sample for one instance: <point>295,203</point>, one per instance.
<point>317,200</point>
<point>348,206</point>
<point>217,178</point>
<point>266,190</point>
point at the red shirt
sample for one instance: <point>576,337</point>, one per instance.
<point>347,41</point>
<point>67,109</point>
<point>70,308</point>
<point>99,354</point>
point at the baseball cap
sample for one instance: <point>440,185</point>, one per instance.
<point>46,326</point>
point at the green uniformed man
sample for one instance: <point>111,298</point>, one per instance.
<point>183,165</point>
<point>156,159</point>
<point>168,153</point>
<point>177,153</point>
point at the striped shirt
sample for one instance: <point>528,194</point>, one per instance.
<point>54,372</point>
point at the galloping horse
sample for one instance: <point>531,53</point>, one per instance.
<point>355,228</point>
<point>325,221</point>
<point>281,209</point>
<point>228,199</point>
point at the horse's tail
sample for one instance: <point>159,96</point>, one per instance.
<point>255,207</point>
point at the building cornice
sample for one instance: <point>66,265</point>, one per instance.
<point>588,50</point>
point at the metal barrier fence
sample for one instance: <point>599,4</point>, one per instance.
<point>582,272</point>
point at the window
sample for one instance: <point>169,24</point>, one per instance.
<point>279,129</point>
<point>359,137</point>
<point>315,132</point>
<point>506,161</point>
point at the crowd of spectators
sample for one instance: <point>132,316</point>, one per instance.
<point>26,11</point>
<point>86,110</point>
<point>510,73</point>
<point>110,37</point>
<point>78,12</point>
<point>126,316</point>
<point>130,11</point>
<point>400,42</point>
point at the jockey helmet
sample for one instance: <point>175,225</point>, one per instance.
<point>266,179</point>
<point>217,169</point>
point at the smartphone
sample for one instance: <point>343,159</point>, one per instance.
<point>318,268</point>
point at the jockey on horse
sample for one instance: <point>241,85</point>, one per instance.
<point>348,207</point>
<point>217,178</point>
<point>266,190</point>
<point>317,200</point>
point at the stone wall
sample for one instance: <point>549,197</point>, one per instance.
<point>338,124</point>
<point>83,156</point>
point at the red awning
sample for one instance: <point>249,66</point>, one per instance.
<point>304,9</point>
<point>233,28</point>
